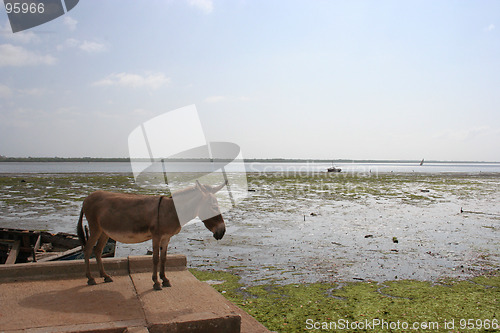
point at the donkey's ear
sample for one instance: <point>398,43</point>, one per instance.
<point>199,187</point>
<point>216,189</point>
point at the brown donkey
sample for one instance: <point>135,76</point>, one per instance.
<point>132,218</point>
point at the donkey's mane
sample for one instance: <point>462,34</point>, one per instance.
<point>184,191</point>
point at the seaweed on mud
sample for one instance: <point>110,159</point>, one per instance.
<point>413,189</point>
<point>286,308</point>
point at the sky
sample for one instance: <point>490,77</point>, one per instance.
<point>282,79</point>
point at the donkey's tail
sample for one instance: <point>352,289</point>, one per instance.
<point>79,229</point>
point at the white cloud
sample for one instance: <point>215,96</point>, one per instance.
<point>87,46</point>
<point>20,37</point>
<point>91,47</point>
<point>11,55</point>
<point>70,111</point>
<point>221,98</point>
<point>489,28</point>
<point>70,22</point>
<point>70,42</point>
<point>33,92</point>
<point>215,99</point>
<point>153,81</point>
<point>206,6</point>
<point>5,91</point>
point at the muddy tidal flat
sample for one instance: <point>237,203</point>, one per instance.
<point>295,228</point>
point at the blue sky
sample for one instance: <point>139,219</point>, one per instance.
<point>289,79</point>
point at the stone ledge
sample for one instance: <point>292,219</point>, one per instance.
<point>55,270</point>
<point>223,324</point>
<point>143,264</point>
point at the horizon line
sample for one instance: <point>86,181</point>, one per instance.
<point>274,159</point>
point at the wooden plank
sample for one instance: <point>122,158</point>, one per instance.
<point>36,247</point>
<point>58,255</point>
<point>14,251</point>
<point>38,242</point>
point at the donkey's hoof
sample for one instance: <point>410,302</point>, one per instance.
<point>108,279</point>
<point>157,286</point>
<point>166,283</point>
<point>91,282</point>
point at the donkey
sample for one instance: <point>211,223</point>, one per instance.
<point>133,218</point>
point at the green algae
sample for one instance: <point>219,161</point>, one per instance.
<point>287,308</point>
<point>412,189</point>
<point>285,190</point>
<point>59,190</point>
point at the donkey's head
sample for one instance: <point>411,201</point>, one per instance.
<point>209,211</point>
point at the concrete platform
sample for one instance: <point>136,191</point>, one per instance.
<point>54,297</point>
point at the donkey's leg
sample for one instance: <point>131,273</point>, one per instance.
<point>87,251</point>
<point>98,256</point>
<point>163,248</point>
<point>156,259</point>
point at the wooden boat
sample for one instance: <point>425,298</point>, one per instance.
<point>22,246</point>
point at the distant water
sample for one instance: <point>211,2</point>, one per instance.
<point>298,167</point>
<point>375,167</point>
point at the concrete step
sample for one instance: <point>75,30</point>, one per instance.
<point>38,298</point>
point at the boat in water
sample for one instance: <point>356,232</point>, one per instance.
<point>334,169</point>
<point>24,246</point>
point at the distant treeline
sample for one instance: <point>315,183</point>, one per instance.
<point>63,159</point>
<point>257,160</point>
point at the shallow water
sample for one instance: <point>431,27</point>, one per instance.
<point>258,167</point>
<point>306,227</point>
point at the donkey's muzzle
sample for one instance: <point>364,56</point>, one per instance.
<point>219,233</point>
<point>216,225</point>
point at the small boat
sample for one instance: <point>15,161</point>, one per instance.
<point>333,169</point>
<point>23,246</point>
<point>422,162</point>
